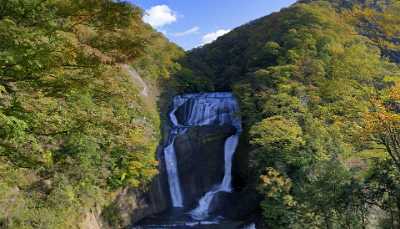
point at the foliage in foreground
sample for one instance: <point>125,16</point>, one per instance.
<point>73,126</point>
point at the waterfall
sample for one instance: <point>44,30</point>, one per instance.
<point>201,211</point>
<point>202,109</point>
<point>173,178</point>
<point>170,160</point>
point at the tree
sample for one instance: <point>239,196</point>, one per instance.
<point>383,122</point>
<point>278,204</point>
<point>73,125</point>
<point>276,139</point>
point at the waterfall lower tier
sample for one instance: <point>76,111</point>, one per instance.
<point>201,212</point>
<point>173,178</point>
<point>229,149</point>
<point>194,110</point>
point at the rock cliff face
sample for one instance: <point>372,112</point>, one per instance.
<point>241,205</point>
<point>90,220</point>
<point>132,205</point>
<point>200,156</point>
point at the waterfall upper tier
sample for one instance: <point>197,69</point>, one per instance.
<point>203,109</point>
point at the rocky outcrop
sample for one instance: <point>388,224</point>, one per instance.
<point>200,156</point>
<point>90,221</point>
<point>134,204</point>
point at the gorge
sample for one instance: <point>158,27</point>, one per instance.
<point>218,110</point>
<point>291,120</point>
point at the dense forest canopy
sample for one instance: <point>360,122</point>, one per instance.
<point>73,126</point>
<point>319,93</point>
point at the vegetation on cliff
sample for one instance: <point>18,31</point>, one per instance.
<point>73,126</point>
<point>319,94</point>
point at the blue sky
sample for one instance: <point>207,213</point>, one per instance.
<point>191,23</point>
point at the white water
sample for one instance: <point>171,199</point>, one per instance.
<point>200,110</point>
<point>173,177</point>
<point>201,212</point>
<point>188,224</point>
<point>171,163</point>
<point>251,226</point>
<point>229,149</point>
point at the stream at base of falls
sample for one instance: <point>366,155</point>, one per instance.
<point>176,219</point>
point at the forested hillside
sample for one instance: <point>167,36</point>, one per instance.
<point>73,125</point>
<point>318,85</point>
<point>319,93</point>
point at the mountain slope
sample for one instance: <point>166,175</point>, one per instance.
<point>307,78</point>
<point>74,126</point>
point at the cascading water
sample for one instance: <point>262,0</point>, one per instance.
<point>220,108</point>
<point>250,226</point>
<point>201,212</point>
<point>173,178</point>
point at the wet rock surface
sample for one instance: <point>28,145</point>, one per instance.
<point>236,205</point>
<point>200,156</point>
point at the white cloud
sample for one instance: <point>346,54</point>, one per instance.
<point>210,37</point>
<point>159,15</point>
<point>193,30</point>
